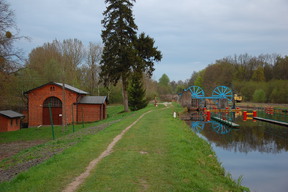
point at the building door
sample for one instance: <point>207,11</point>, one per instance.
<point>56,108</point>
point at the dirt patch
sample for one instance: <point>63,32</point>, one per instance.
<point>14,160</point>
<point>10,149</point>
<point>144,184</point>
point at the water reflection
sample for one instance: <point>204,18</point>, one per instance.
<point>251,136</point>
<point>258,151</point>
<point>198,127</point>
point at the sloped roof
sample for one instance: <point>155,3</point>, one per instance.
<point>11,114</point>
<point>69,87</point>
<point>93,100</point>
<point>72,88</point>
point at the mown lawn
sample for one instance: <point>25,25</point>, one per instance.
<point>159,153</point>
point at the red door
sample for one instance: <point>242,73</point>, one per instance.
<point>56,115</point>
<point>56,109</point>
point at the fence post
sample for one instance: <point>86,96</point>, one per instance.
<point>51,121</point>
<point>82,118</point>
<point>73,119</point>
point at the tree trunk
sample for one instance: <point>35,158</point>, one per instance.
<point>125,94</point>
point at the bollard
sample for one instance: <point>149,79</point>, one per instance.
<point>208,117</point>
<point>254,113</point>
<point>244,115</point>
<point>174,114</point>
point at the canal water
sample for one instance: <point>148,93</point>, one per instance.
<point>255,151</point>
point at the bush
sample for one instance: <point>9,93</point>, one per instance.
<point>259,96</point>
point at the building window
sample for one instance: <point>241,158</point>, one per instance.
<point>54,101</point>
<point>11,122</point>
<point>52,88</point>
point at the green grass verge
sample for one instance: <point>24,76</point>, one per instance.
<point>159,153</point>
<point>45,132</point>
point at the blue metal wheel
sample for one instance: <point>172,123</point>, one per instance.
<point>197,126</point>
<point>222,92</point>
<point>220,128</point>
<point>196,92</point>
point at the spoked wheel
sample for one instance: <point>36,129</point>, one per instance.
<point>196,92</point>
<point>197,126</point>
<point>223,96</point>
<point>220,128</point>
<point>223,92</point>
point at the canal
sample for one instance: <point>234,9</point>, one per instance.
<point>255,152</point>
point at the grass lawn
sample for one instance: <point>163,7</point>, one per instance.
<point>159,153</point>
<point>45,132</point>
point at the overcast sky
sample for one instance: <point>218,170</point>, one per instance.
<point>190,33</point>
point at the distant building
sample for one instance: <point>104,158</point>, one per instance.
<point>10,120</point>
<point>78,106</point>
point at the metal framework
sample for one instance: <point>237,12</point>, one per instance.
<point>221,95</point>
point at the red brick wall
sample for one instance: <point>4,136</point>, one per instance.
<point>38,96</point>
<point>7,124</point>
<point>88,113</point>
<point>91,112</point>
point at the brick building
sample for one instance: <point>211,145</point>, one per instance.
<point>67,101</point>
<point>10,120</point>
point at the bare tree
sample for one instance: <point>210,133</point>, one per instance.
<point>10,56</point>
<point>72,51</point>
<point>94,54</point>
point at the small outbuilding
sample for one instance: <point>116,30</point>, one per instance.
<point>10,120</point>
<point>91,108</point>
<point>64,101</point>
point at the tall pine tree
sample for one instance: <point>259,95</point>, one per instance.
<point>124,53</point>
<point>119,54</point>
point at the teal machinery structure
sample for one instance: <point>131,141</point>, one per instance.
<point>222,97</point>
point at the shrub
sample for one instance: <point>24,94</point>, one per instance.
<point>259,96</point>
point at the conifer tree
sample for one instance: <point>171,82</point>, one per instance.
<point>137,93</point>
<point>119,54</point>
<point>124,53</point>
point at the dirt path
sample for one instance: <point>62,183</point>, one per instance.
<point>81,178</point>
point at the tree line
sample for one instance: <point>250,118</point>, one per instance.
<point>262,78</point>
